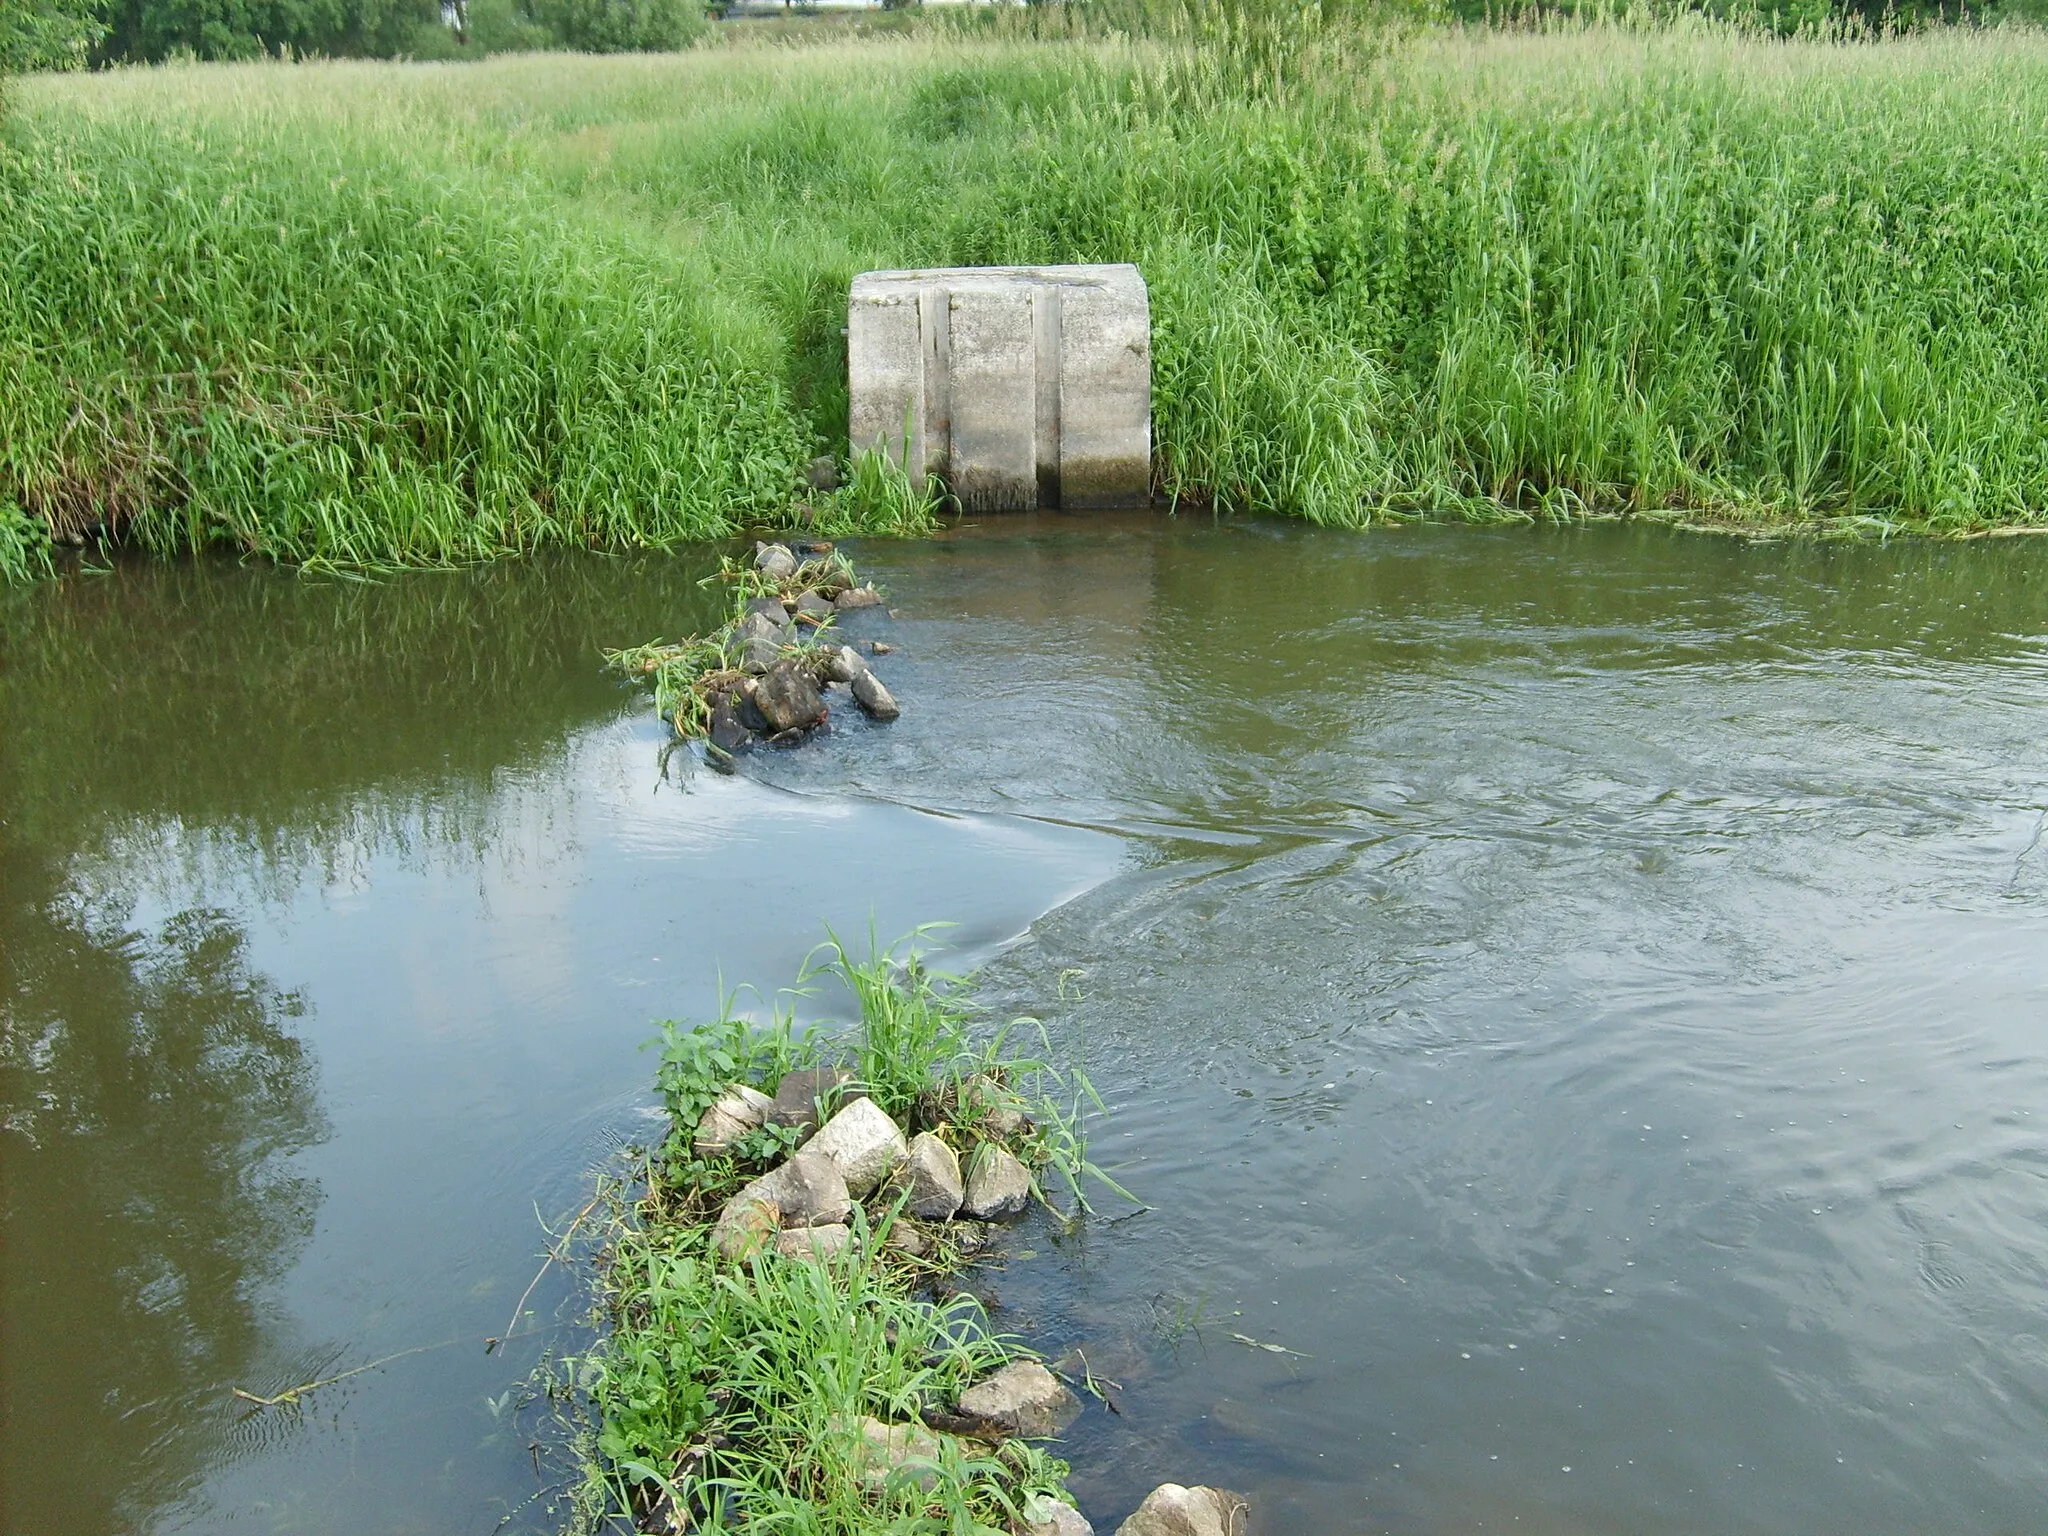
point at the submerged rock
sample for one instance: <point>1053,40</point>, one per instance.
<point>1044,1515</point>
<point>997,1184</point>
<point>774,561</point>
<point>741,1110</point>
<point>857,597</point>
<point>1023,1401</point>
<point>814,1242</point>
<point>1171,1510</point>
<point>931,1176</point>
<point>869,693</point>
<point>865,1144</point>
<point>799,1095</point>
<point>788,698</point>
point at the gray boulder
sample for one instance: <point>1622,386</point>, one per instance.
<point>799,1094</point>
<point>748,1225</point>
<point>997,1184</point>
<point>843,663</point>
<point>788,699</point>
<point>758,655</point>
<point>814,1242</point>
<point>857,597</point>
<point>774,561</point>
<point>897,1453</point>
<point>1021,1401</point>
<point>864,1143</point>
<point>1045,1515</point>
<point>770,608</point>
<point>739,1111</point>
<point>869,693</point>
<point>807,1191</point>
<point>1171,1510</point>
<point>727,733</point>
<point>813,608</point>
<point>930,1175</point>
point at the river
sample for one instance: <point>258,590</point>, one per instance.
<point>1576,1002</point>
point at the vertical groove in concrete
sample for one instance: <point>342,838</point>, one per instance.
<point>1046,340</point>
<point>935,341</point>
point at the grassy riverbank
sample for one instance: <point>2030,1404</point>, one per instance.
<point>365,313</point>
<point>733,1382</point>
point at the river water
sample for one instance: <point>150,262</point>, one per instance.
<point>1576,1002</point>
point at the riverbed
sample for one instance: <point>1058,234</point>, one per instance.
<point>1575,1003</point>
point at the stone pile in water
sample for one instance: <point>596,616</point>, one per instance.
<point>777,686</point>
<point>855,1154</point>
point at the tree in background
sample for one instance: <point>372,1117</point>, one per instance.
<point>620,26</point>
<point>47,34</point>
<point>152,30</point>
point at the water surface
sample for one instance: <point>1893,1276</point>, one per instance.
<point>1582,995</point>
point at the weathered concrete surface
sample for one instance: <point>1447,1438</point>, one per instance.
<point>1020,387</point>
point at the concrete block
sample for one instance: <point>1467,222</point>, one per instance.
<point>1020,387</point>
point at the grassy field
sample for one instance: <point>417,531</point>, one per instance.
<point>366,313</point>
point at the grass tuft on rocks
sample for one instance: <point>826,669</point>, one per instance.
<point>730,1393</point>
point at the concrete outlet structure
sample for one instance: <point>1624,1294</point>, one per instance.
<point>1020,387</point>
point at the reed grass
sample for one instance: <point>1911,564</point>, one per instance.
<point>367,313</point>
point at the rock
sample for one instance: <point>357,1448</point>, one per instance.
<point>994,1107</point>
<point>788,699</point>
<point>814,1242</point>
<point>1022,1401</point>
<point>758,655</point>
<point>819,546</point>
<point>889,1452</point>
<point>1171,1510</point>
<point>931,1176</point>
<point>1045,1515</point>
<point>871,696</point>
<point>864,1142</point>
<point>857,597</point>
<point>843,663</point>
<point>774,561</point>
<point>727,733</point>
<point>748,1225</point>
<point>904,1237</point>
<point>770,608</point>
<point>741,1110</point>
<point>823,475</point>
<point>880,647</point>
<point>997,1184</point>
<point>807,1191</point>
<point>798,1095</point>
<point>759,626</point>
<point>812,608</point>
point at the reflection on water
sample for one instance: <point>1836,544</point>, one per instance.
<point>151,1085</point>
<point>1579,994</point>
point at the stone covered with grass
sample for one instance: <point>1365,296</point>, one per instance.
<point>768,672</point>
<point>785,1348</point>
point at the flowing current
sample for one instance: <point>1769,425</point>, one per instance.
<point>1574,1004</point>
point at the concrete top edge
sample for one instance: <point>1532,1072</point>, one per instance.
<point>970,279</point>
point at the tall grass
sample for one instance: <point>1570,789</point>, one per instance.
<point>373,312</point>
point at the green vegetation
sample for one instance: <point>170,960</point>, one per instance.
<point>733,1389</point>
<point>359,314</point>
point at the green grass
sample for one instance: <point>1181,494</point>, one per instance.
<point>733,1389</point>
<point>371,313</point>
